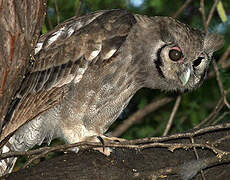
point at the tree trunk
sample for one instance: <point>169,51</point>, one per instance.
<point>20,26</point>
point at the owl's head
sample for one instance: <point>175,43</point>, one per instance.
<point>181,54</point>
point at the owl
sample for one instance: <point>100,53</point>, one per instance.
<point>83,73</point>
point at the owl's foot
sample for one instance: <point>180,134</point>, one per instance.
<point>104,140</point>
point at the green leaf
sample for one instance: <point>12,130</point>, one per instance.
<point>44,29</point>
<point>221,12</point>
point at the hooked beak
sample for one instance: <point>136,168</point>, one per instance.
<point>184,76</point>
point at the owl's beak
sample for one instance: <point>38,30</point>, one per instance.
<point>184,76</point>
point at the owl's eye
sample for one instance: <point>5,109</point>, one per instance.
<point>175,54</point>
<point>197,61</point>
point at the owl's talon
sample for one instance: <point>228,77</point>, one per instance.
<point>103,139</point>
<point>113,139</point>
<point>102,142</point>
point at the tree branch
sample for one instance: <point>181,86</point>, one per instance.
<point>175,108</point>
<point>140,159</point>
<point>177,13</point>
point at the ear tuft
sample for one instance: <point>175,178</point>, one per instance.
<point>166,36</point>
<point>213,42</point>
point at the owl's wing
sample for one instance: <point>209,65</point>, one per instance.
<point>62,56</point>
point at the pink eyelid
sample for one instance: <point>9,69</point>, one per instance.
<point>179,49</point>
<point>176,48</point>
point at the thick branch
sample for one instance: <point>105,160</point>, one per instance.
<point>153,161</point>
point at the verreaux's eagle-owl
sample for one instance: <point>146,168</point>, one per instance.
<point>84,72</point>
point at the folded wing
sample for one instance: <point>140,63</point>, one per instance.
<point>61,57</point>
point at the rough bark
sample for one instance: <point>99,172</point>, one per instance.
<point>125,163</point>
<point>20,25</point>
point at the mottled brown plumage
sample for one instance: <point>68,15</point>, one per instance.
<point>85,71</point>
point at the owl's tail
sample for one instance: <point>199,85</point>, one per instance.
<point>6,165</point>
<point>31,134</point>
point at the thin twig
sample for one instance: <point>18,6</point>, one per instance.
<point>170,121</point>
<point>137,116</point>
<point>226,64</point>
<point>43,154</point>
<point>203,15</point>
<point>197,157</point>
<point>57,11</point>
<point>220,84</point>
<point>220,104</point>
<point>181,135</point>
<point>213,114</point>
<point>222,61</point>
<point>223,100</point>
<point>223,92</point>
<point>211,12</point>
<point>78,11</point>
<point>226,101</point>
<point>89,145</point>
<point>220,118</point>
<point>181,8</point>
